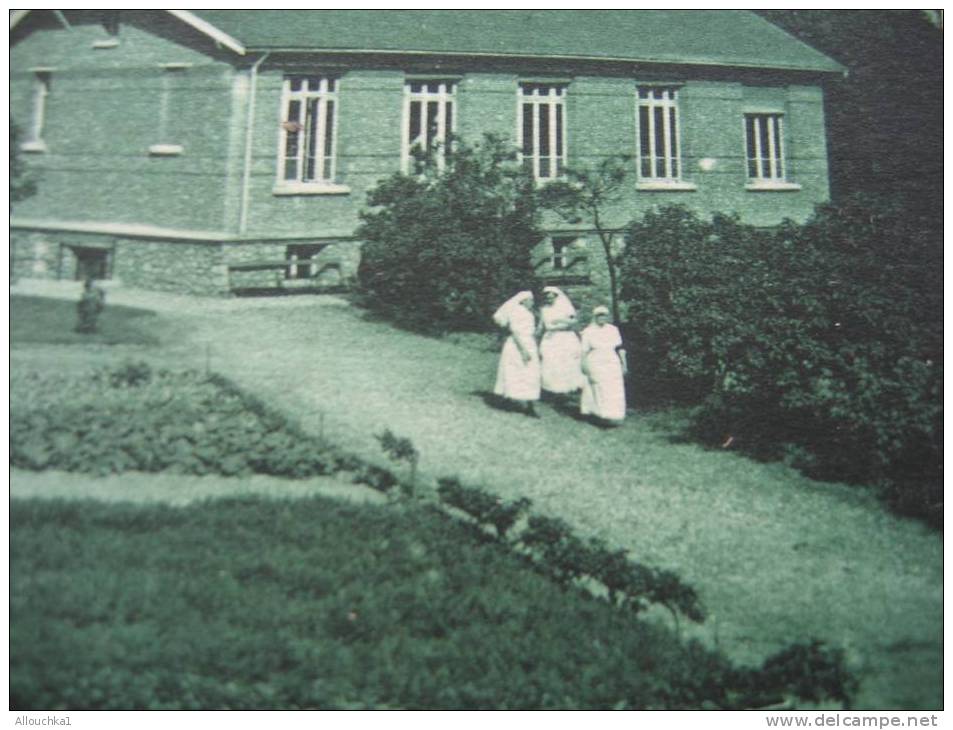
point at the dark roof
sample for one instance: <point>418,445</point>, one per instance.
<point>704,37</point>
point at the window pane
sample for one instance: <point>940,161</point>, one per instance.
<point>543,130</point>
<point>328,137</point>
<point>765,150</point>
<point>448,126</point>
<point>295,83</point>
<point>311,132</point>
<point>659,114</point>
<point>779,162</point>
<point>527,129</point>
<point>544,167</point>
<point>644,149</point>
<point>673,132</point>
<point>560,150</point>
<point>433,109</point>
<point>414,127</point>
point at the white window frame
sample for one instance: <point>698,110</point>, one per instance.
<point>439,91</point>
<point>665,168</point>
<point>325,146</point>
<point>550,97</point>
<point>773,157</point>
<point>42,83</point>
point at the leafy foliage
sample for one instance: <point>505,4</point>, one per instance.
<point>131,418</point>
<point>561,554</point>
<point>805,342</point>
<point>441,250</point>
<point>585,195</point>
<point>482,506</point>
<point>254,603</point>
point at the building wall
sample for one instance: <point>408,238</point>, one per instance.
<point>107,106</point>
<point>195,267</point>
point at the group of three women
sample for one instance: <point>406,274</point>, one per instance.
<point>553,358</point>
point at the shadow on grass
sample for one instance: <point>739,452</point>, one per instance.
<point>39,320</point>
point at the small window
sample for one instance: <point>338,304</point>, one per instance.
<point>42,85</point>
<point>658,133</point>
<point>561,248</point>
<point>542,129</point>
<point>307,135</point>
<point>764,145</point>
<point>91,263</point>
<point>167,141</point>
<point>301,261</point>
<point>428,122</point>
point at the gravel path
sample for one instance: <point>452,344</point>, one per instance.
<point>776,558</point>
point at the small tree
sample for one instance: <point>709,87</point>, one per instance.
<point>586,195</point>
<point>444,248</point>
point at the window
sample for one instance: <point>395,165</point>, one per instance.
<point>301,264</point>
<point>658,133</point>
<point>428,122</point>
<point>561,248</point>
<point>307,130</point>
<point>764,144</point>
<point>541,132</point>
<point>42,80</point>
<point>91,263</point>
<point>166,142</point>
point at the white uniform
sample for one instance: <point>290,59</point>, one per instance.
<point>603,392</point>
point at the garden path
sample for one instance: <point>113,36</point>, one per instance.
<point>776,557</point>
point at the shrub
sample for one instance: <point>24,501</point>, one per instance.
<point>819,342</point>
<point>484,507</point>
<point>443,249</point>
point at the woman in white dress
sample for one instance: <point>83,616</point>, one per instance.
<point>559,348</point>
<point>604,365</point>
<point>518,375</point>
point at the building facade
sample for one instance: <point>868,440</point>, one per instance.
<point>222,151</point>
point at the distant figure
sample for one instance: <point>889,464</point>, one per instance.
<point>518,377</point>
<point>559,347</point>
<point>604,365</point>
<point>91,304</point>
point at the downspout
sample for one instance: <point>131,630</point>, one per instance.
<point>249,137</point>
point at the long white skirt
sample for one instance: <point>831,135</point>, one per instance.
<point>603,392</point>
<point>561,355</point>
<point>516,379</point>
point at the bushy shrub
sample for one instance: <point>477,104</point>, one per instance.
<point>819,342</point>
<point>484,507</point>
<point>443,249</point>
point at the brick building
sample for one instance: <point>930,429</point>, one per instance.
<point>215,151</point>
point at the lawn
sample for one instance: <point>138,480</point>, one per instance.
<point>256,603</point>
<point>775,557</point>
<point>53,321</point>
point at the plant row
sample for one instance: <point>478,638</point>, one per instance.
<point>133,418</point>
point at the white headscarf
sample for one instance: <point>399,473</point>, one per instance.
<point>561,308</point>
<point>504,314</point>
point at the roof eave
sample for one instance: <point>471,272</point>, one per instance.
<point>836,68</point>
<point>202,26</point>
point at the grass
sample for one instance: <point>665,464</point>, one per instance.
<point>252,603</point>
<point>776,557</point>
<point>38,320</point>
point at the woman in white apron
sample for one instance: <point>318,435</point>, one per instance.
<point>604,365</point>
<point>518,374</point>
